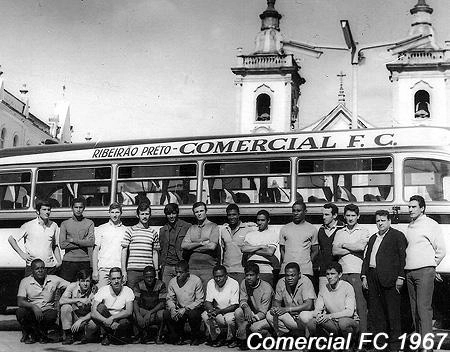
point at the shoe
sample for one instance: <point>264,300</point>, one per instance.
<point>232,344</point>
<point>83,341</point>
<point>195,342</point>
<point>243,346</point>
<point>218,343</point>
<point>44,340</point>
<point>159,340</point>
<point>180,342</point>
<point>68,340</point>
<point>30,340</point>
<point>105,341</point>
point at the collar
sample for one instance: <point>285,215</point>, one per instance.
<point>384,233</point>
<point>75,219</point>
<point>34,282</point>
<point>257,285</point>
<point>355,228</point>
<point>204,223</point>
<point>336,224</point>
<point>419,219</point>
<point>112,224</point>
<point>337,286</point>
<point>42,223</point>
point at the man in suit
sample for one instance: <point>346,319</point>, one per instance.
<point>383,275</point>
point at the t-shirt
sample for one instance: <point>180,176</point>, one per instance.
<point>114,303</point>
<point>223,296</point>
<point>259,298</point>
<point>108,237</point>
<point>258,238</point>
<point>231,243</point>
<point>141,243</point>
<point>303,291</point>
<point>74,291</point>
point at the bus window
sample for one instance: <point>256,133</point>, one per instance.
<point>345,180</point>
<point>428,178</point>
<point>160,184</point>
<point>62,185</point>
<point>247,182</point>
<point>15,190</point>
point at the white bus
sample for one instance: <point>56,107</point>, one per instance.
<point>373,168</point>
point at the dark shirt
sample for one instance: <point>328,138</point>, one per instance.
<point>326,247</point>
<point>170,238</point>
<point>76,237</point>
<point>149,297</point>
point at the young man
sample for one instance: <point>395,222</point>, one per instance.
<point>349,245</point>
<point>425,250</point>
<point>232,237</point>
<point>112,309</point>
<point>149,304</point>
<point>335,308</point>
<point>36,301</point>
<point>261,247</point>
<point>298,241</point>
<point>293,294</point>
<point>171,236</point>
<point>185,297</point>
<point>254,303</point>
<point>383,275</point>
<point>75,307</point>
<point>201,242</point>
<point>40,240</point>
<point>76,237</point>
<point>222,299</point>
<point>140,247</point>
<point>108,246</point>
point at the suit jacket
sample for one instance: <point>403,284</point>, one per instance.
<point>181,229</point>
<point>390,258</point>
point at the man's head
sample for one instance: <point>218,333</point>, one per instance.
<point>220,275</point>
<point>38,269</point>
<point>43,209</point>
<point>199,209</point>
<point>298,212</point>
<point>171,211</point>
<point>262,219</point>
<point>233,214</point>
<point>334,273</point>
<point>416,206</point>
<point>78,205</point>
<point>115,212</point>
<point>251,271</point>
<point>292,274</point>
<point>182,270</point>
<point>383,220</point>
<point>84,279</point>
<point>351,214</point>
<point>143,212</point>
<point>149,274</point>
<point>329,213</point>
<point>116,279</point>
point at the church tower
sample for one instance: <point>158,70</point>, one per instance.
<point>421,76</point>
<point>268,81</point>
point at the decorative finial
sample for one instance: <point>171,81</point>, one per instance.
<point>421,6</point>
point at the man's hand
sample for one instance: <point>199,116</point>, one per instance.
<point>255,318</point>
<point>95,276</point>
<point>279,310</point>
<point>140,319</point>
<point>27,257</point>
<point>322,318</point>
<point>248,314</point>
<point>76,326</point>
<point>109,321</point>
<point>38,313</point>
<point>114,325</point>
<point>176,314</point>
<point>365,285</point>
<point>124,278</point>
<point>399,285</point>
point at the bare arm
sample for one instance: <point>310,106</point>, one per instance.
<point>123,259</point>
<point>314,252</point>
<point>125,313</point>
<point>338,250</point>
<point>95,314</point>
<point>95,263</point>
<point>155,259</point>
<point>25,256</point>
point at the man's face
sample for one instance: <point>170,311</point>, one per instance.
<point>291,276</point>
<point>149,277</point>
<point>251,278</point>
<point>233,217</point>
<point>182,275</point>
<point>200,213</point>
<point>262,222</point>
<point>85,284</point>
<point>333,276</point>
<point>220,277</point>
<point>172,218</point>
<point>39,270</point>
<point>351,217</point>
<point>414,209</point>
<point>144,216</point>
<point>328,216</point>
<point>78,209</point>
<point>115,280</point>
<point>44,212</point>
<point>298,214</point>
<point>114,215</point>
<point>383,223</point>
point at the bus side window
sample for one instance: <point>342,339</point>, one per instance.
<point>427,177</point>
<point>15,188</point>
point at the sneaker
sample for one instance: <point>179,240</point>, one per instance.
<point>105,341</point>
<point>30,340</point>
<point>68,340</point>
<point>232,344</point>
<point>44,340</point>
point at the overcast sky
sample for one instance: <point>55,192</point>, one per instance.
<point>156,68</point>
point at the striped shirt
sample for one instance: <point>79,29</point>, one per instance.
<point>141,243</point>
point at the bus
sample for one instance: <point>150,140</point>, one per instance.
<point>373,168</point>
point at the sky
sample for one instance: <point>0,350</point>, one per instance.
<point>161,68</point>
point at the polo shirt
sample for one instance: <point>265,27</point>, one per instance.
<point>141,242</point>
<point>298,239</point>
<point>82,234</point>
<point>198,233</point>
<point>189,295</point>
<point>231,243</point>
<point>108,237</point>
<point>42,296</point>
<point>114,303</point>
<point>339,302</point>
<point>352,262</point>
<point>259,298</point>
<point>259,238</point>
<point>224,296</point>
<point>303,290</point>
<point>39,239</point>
<point>74,291</point>
<point>149,297</point>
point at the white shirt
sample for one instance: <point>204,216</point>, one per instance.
<point>108,237</point>
<point>352,263</point>
<point>224,296</point>
<point>268,238</point>
<point>114,303</point>
<point>376,246</point>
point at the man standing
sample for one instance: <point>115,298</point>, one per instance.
<point>76,237</point>
<point>171,236</point>
<point>326,234</point>
<point>383,275</point>
<point>232,237</point>
<point>112,309</point>
<point>185,297</point>
<point>298,241</point>
<point>140,247</point>
<point>222,299</point>
<point>425,250</point>
<point>349,245</point>
<point>201,244</point>
<point>40,239</point>
<point>36,301</point>
<point>108,246</point>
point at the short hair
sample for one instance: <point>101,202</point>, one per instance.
<point>116,269</point>
<point>115,205</point>
<point>219,267</point>
<point>383,212</point>
<point>351,207</point>
<point>336,266</point>
<point>35,261</point>
<point>263,212</point>
<point>78,200</point>
<point>183,264</point>
<point>142,206</point>
<point>83,274</point>
<point>199,204</point>
<point>251,267</point>
<point>149,269</point>
<point>171,208</point>
<point>43,203</point>
<point>292,265</point>
<point>333,207</point>
<point>231,207</point>
<point>301,203</point>
<point>420,200</point>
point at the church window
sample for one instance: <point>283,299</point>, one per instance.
<point>263,107</point>
<point>15,140</point>
<point>2,138</point>
<point>422,104</point>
